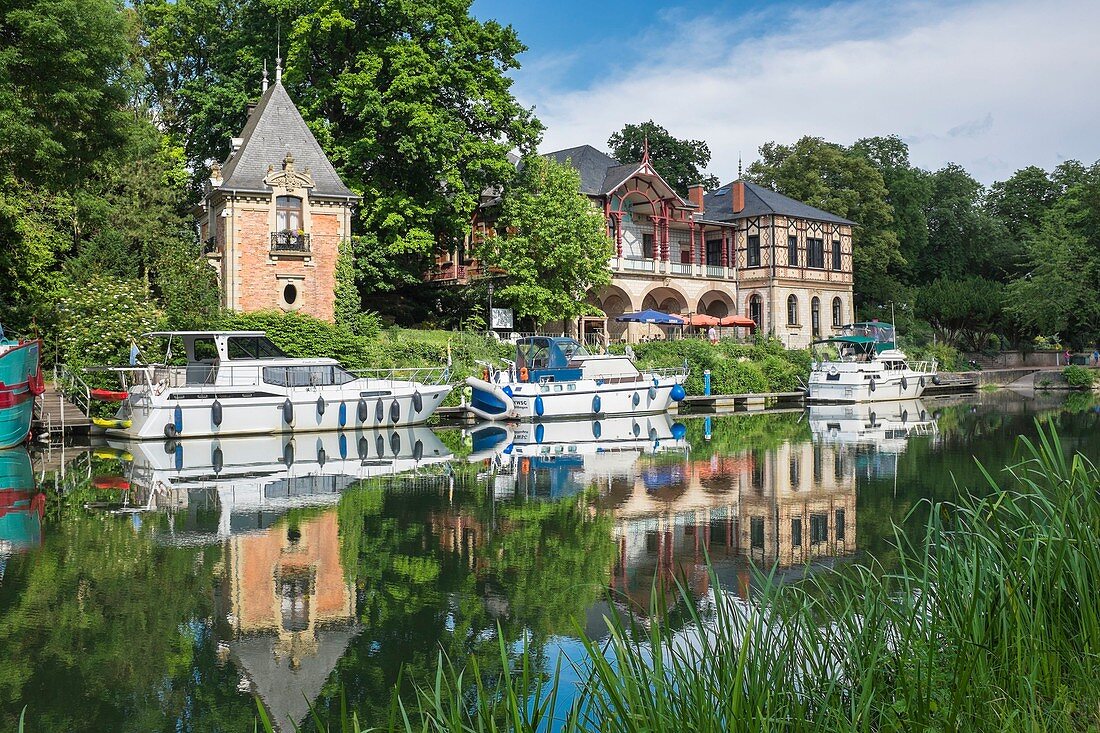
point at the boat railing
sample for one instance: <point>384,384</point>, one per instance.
<point>680,371</point>
<point>926,366</point>
<point>431,376</point>
<point>74,388</point>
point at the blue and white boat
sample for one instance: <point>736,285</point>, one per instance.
<point>556,378</point>
<point>20,383</point>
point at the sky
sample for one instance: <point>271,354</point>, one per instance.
<point>991,86</point>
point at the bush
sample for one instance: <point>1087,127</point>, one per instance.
<point>736,368</point>
<point>1079,376</point>
<point>946,356</point>
<point>98,320</point>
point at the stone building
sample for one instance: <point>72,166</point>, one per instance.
<point>275,214</point>
<point>738,250</point>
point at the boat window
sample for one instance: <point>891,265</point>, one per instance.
<point>253,347</point>
<point>572,349</point>
<point>315,375</point>
<point>204,349</point>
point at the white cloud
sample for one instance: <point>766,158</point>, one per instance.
<point>993,86</point>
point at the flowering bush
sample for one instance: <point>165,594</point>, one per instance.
<point>97,321</point>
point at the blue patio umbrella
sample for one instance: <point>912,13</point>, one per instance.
<point>651,316</point>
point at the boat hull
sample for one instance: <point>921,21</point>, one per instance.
<point>183,413</point>
<point>887,389</point>
<point>574,399</point>
<point>19,385</point>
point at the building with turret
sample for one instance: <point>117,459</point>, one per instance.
<point>275,214</point>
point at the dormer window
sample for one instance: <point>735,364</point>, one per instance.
<point>288,214</point>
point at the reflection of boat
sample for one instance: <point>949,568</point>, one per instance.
<point>557,378</point>
<point>239,383</point>
<point>20,383</point>
<point>557,459</point>
<point>868,368</point>
<point>21,505</point>
<point>250,481</point>
<point>884,425</point>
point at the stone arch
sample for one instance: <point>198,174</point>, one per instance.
<point>665,299</point>
<point>716,303</point>
<point>754,309</point>
<point>614,301</point>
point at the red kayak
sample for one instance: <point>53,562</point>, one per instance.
<point>108,395</point>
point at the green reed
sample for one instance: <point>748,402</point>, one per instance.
<point>990,622</point>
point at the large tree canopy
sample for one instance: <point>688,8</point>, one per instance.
<point>554,247</point>
<point>680,162</point>
<point>411,101</point>
<point>845,183</point>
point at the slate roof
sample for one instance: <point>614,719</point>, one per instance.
<point>760,201</point>
<point>592,164</point>
<point>274,129</point>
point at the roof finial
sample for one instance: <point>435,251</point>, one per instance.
<point>265,76</point>
<point>738,163</point>
<point>645,148</point>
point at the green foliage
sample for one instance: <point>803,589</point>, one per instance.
<point>555,246</point>
<point>98,321</point>
<point>1079,376</point>
<point>964,312</point>
<point>843,182</point>
<point>735,368</point>
<point>301,335</point>
<point>945,355</point>
<point>680,162</point>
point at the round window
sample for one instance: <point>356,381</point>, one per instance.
<point>290,294</point>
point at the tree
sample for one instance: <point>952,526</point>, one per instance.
<point>964,312</point>
<point>62,91</point>
<point>963,238</point>
<point>845,183</point>
<point>412,102</point>
<point>555,246</point>
<point>1022,201</point>
<point>680,162</point>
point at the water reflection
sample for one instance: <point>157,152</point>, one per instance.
<point>21,506</point>
<point>203,572</point>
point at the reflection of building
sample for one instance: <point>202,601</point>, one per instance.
<point>785,508</point>
<point>291,611</point>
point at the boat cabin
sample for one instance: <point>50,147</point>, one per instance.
<point>549,357</point>
<point>245,358</point>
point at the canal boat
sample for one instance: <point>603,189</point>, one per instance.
<point>22,506</point>
<point>884,425</point>
<point>239,383</point>
<point>226,486</point>
<point>556,378</point>
<point>20,383</point>
<point>863,364</point>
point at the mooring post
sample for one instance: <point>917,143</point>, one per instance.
<point>706,382</point>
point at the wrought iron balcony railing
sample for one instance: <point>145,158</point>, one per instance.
<point>289,242</point>
<point>210,246</point>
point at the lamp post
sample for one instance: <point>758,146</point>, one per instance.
<point>490,321</point>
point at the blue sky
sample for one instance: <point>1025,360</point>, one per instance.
<point>993,85</point>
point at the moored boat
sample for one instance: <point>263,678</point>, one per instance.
<point>867,367</point>
<point>20,383</point>
<point>22,506</point>
<point>240,383</point>
<point>556,378</point>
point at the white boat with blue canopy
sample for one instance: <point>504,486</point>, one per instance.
<point>556,378</point>
<point>216,383</point>
<point>863,364</point>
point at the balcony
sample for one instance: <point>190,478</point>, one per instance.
<point>448,272</point>
<point>210,246</point>
<point>289,243</point>
<point>674,269</point>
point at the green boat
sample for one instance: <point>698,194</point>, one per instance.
<point>20,383</point>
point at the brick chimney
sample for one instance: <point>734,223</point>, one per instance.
<point>695,196</point>
<point>738,197</point>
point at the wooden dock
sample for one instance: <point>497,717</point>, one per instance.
<point>756,402</point>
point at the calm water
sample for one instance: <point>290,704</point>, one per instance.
<point>165,586</point>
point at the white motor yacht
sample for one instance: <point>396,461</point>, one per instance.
<point>239,383</point>
<point>867,367</point>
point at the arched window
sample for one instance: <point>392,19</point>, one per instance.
<point>756,311</point>
<point>792,311</point>
<point>815,316</point>
<point>288,214</point>
<point>838,315</point>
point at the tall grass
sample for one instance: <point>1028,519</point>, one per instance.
<point>991,622</point>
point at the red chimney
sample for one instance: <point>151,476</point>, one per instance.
<point>738,197</point>
<point>695,196</point>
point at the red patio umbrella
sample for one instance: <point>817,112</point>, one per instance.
<point>701,319</point>
<point>738,321</point>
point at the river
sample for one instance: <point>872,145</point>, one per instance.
<point>171,586</point>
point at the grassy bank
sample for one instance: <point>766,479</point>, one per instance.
<point>989,622</point>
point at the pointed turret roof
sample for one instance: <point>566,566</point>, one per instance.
<point>274,129</point>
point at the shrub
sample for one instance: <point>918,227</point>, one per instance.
<point>946,356</point>
<point>98,320</point>
<point>1079,376</point>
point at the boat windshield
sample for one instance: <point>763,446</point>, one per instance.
<point>572,349</point>
<point>252,347</point>
<point>880,332</point>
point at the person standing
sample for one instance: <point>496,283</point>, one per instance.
<point>712,335</point>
